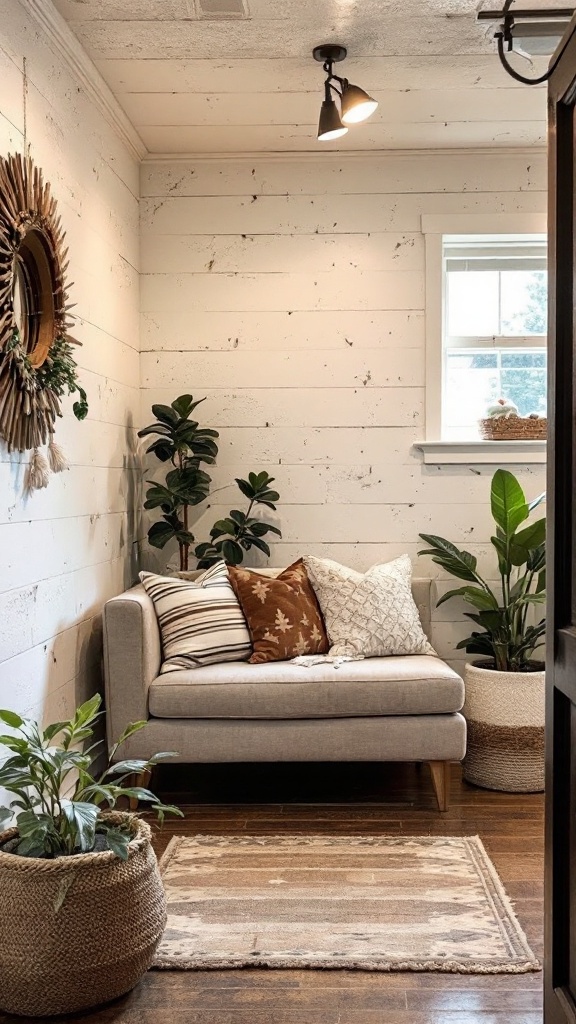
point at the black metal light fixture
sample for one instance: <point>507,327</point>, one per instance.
<point>528,32</point>
<point>354,105</point>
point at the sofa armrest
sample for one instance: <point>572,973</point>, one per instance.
<point>132,657</point>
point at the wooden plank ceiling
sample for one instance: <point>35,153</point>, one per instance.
<point>193,79</point>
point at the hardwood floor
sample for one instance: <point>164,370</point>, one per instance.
<point>359,799</point>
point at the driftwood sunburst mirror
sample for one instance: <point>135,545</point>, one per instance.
<point>36,363</point>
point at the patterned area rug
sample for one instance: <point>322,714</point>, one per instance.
<point>374,904</point>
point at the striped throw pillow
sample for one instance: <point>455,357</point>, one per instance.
<point>200,622</point>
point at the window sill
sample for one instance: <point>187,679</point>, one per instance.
<point>442,453</point>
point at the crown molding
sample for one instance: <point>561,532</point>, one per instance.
<point>77,60</point>
<point>348,155</point>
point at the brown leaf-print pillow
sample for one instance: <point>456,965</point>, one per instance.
<point>283,615</point>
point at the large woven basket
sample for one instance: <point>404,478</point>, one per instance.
<point>77,931</point>
<point>504,712</point>
<point>514,428</point>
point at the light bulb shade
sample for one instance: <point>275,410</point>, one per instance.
<point>357,105</point>
<point>330,126</point>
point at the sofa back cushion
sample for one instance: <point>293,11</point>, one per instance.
<point>282,613</point>
<point>200,621</point>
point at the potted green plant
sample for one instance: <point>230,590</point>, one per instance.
<point>83,906</point>
<point>240,531</point>
<point>504,704</point>
<point>184,444</point>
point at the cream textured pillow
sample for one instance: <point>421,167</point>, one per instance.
<point>201,622</point>
<point>371,614</point>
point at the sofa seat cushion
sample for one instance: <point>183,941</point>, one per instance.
<point>412,685</point>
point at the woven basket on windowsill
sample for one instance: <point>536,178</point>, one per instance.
<point>513,428</point>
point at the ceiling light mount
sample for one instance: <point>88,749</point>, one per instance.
<point>329,52</point>
<point>535,32</point>
<point>353,106</point>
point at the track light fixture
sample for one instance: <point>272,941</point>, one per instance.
<point>354,105</point>
<point>529,33</point>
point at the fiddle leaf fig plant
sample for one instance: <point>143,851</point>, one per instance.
<point>240,531</point>
<point>183,443</point>
<point>506,636</point>
<point>40,771</point>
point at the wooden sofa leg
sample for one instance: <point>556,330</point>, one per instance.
<point>440,772</point>
<point>142,779</point>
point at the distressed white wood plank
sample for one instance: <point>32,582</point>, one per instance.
<point>390,368</point>
<point>239,291</point>
<point>368,136</point>
<point>310,330</point>
<point>37,613</point>
<point>323,173</point>
<point>362,554</point>
<point>194,74</point>
<point>311,524</point>
<point>376,484</point>
<point>10,137</point>
<point>167,254</point>
<point>80,491</point>
<point>394,407</point>
<point>295,445</point>
<point>354,483</point>
<point>11,77</point>
<point>105,355</point>
<point>326,214</point>
<point>59,546</point>
<point>184,109</point>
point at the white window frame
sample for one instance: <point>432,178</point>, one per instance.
<point>434,449</point>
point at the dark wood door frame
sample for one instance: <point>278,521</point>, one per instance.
<point>560,886</point>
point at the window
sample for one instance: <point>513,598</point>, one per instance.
<point>493,328</point>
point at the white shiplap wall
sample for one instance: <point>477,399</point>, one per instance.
<point>290,291</point>
<point>66,549</point>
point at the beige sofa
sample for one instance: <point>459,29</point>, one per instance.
<point>379,709</point>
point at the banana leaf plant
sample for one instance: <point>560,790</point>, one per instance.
<point>507,635</point>
<point>240,531</point>
<point>47,764</point>
<point>185,445</point>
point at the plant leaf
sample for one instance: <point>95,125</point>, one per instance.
<point>117,841</point>
<point>246,488</point>
<point>460,563</point>
<point>185,404</point>
<point>507,502</point>
<point>257,542</point>
<point>11,718</point>
<point>232,552</point>
<point>160,533</point>
<point>532,536</point>
<point>166,414</point>
<point>473,595</point>
<point>82,816</point>
<point>155,428</point>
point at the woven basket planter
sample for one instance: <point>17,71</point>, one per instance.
<point>514,428</point>
<point>505,716</point>
<point>77,931</point>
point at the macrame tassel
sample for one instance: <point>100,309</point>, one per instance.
<point>38,473</point>
<point>56,458</point>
